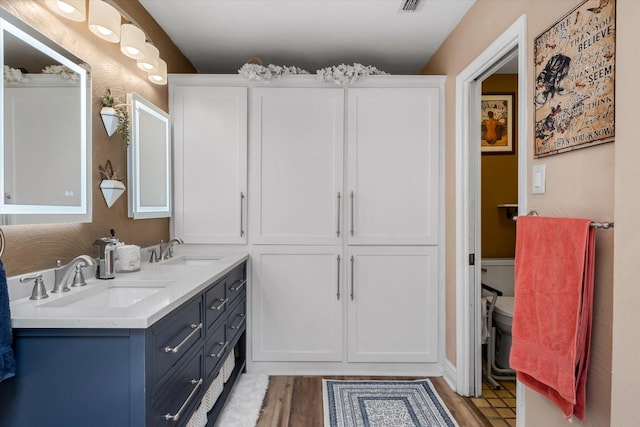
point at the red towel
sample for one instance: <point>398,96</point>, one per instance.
<point>552,311</point>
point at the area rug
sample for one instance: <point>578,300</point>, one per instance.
<point>384,403</point>
<point>243,407</point>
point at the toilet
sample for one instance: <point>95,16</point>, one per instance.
<point>502,319</point>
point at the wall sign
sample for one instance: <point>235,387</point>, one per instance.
<point>574,86</point>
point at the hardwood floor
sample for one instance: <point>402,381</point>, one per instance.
<point>297,402</point>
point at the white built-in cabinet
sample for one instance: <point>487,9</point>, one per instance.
<point>297,303</point>
<point>210,163</point>
<point>392,304</point>
<point>297,168</point>
<point>343,212</point>
<point>393,156</point>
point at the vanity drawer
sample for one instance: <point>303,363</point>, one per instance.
<point>216,302</point>
<point>174,336</point>
<point>181,394</point>
<point>216,348</point>
<point>236,321</point>
<point>237,283</point>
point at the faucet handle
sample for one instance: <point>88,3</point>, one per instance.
<point>39,291</point>
<point>154,255</point>
<point>78,277</point>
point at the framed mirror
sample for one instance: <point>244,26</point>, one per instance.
<point>45,137</point>
<point>149,160</point>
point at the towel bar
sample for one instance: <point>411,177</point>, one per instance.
<point>594,224</point>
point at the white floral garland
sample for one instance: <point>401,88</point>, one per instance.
<point>338,74</point>
<point>261,73</point>
<point>345,74</point>
<point>62,71</point>
<point>12,75</point>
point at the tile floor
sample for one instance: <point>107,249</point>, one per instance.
<point>499,406</point>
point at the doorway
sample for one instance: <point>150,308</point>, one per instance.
<point>511,44</point>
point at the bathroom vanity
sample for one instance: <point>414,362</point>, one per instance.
<point>140,350</point>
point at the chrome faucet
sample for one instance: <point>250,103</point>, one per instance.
<point>166,249</point>
<point>62,272</point>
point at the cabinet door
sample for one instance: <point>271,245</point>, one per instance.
<point>297,304</point>
<point>210,134</point>
<point>297,145</point>
<point>393,304</point>
<point>393,157</point>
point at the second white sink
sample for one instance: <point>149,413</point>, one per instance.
<point>114,295</point>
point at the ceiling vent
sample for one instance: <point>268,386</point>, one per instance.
<point>410,5</point>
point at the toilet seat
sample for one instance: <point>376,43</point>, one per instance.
<point>504,306</point>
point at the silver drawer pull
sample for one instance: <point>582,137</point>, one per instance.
<point>175,417</point>
<point>338,225</point>
<point>242,283</point>
<point>176,349</point>
<point>224,346</point>
<point>244,316</point>
<point>241,214</point>
<point>219,306</point>
<point>352,230</point>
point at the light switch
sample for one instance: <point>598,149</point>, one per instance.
<point>538,184</point>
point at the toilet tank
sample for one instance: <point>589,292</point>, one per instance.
<point>498,273</point>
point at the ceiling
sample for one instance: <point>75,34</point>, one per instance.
<point>219,36</point>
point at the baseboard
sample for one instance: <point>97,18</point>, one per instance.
<point>450,374</point>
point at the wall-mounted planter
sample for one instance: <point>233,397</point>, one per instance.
<point>110,119</point>
<point>111,190</point>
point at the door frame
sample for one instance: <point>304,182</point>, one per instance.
<point>468,90</point>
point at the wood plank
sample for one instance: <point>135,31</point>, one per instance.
<point>276,408</point>
<point>297,401</point>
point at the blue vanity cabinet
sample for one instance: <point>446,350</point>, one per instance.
<point>153,377</point>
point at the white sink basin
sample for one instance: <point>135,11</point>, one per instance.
<point>191,260</point>
<point>114,295</point>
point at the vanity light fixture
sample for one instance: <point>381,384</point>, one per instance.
<point>151,57</point>
<point>74,10</point>
<point>132,41</point>
<point>159,76</point>
<point>104,21</point>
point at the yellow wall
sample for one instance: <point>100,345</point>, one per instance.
<point>579,184</point>
<point>499,184</point>
<point>35,247</point>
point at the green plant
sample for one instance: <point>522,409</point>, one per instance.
<point>122,112</point>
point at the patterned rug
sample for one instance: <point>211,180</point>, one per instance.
<point>383,403</point>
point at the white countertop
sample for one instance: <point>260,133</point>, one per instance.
<point>172,283</point>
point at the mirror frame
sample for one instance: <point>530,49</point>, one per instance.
<point>137,210</point>
<point>35,214</point>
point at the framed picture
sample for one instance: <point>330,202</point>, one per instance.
<point>574,80</point>
<point>496,122</point>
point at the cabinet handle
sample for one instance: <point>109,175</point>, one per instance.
<point>219,306</point>
<point>352,263</point>
<point>338,280</point>
<point>237,288</point>
<point>224,346</point>
<point>175,417</point>
<point>244,316</point>
<point>339,203</point>
<point>351,196</point>
<point>176,349</point>
<point>241,214</point>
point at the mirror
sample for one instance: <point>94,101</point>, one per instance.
<point>45,143</point>
<point>149,171</point>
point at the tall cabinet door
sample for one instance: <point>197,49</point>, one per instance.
<point>393,304</point>
<point>297,303</point>
<point>210,164</point>
<point>297,156</point>
<point>393,157</point>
